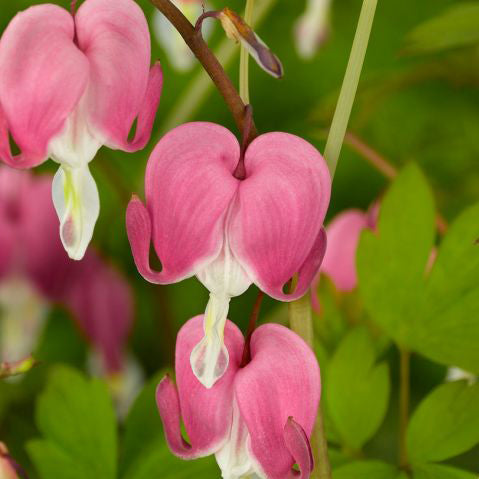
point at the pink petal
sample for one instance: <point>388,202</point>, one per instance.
<point>98,297</point>
<point>343,238</point>
<point>42,77</point>
<point>298,444</point>
<point>207,413</point>
<point>101,302</point>
<point>275,229</point>
<point>114,36</point>
<point>189,186</point>
<point>281,381</point>
<point>14,194</point>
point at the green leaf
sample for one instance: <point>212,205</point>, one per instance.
<point>366,469</point>
<point>160,462</point>
<point>143,427</point>
<point>357,390</point>
<point>445,424</point>
<point>456,27</point>
<point>448,328</point>
<point>391,264</point>
<point>77,420</point>
<point>438,471</point>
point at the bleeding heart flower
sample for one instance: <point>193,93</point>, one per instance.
<point>258,418</point>
<point>312,28</point>
<point>8,468</point>
<point>69,85</point>
<point>339,263</point>
<point>35,272</point>
<point>230,233</point>
<point>179,54</point>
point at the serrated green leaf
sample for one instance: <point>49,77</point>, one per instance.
<point>448,328</point>
<point>77,420</point>
<point>445,424</point>
<point>438,471</point>
<point>391,264</point>
<point>357,390</point>
<point>456,27</point>
<point>366,469</point>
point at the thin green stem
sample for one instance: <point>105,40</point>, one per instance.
<point>350,85</point>
<point>404,394</point>
<point>301,322</point>
<point>244,57</point>
<point>300,311</point>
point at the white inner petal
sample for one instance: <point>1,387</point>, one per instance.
<point>224,278</point>
<point>233,458</point>
<point>23,314</point>
<point>77,203</point>
<point>77,144</point>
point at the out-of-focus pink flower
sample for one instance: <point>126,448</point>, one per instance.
<point>7,469</point>
<point>312,28</point>
<point>258,418</point>
<point>229,232</point>
<point>179,54</point>
<point>35,271</point>
<point>339,262</point>
<point>69,85</point>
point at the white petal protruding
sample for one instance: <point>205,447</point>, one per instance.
<point>77,203</point>
<point>76,145</point>
<point>209,359</point>
<point>224,278</point>
<point>311,29</point>
<point>233,458</point>
<point>24,313</point>
<point>457,374</point>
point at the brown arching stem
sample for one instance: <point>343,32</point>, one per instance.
<point>240,170</point>
<point>208,60</point>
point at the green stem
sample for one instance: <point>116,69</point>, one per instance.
<point>244,57</point>
<point>350,85</point>
<point>300,311</point>
<point>301,322</point>
<point>404,393</point>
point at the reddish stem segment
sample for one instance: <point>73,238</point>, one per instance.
<point>251,327</point>
<point>240,170</point>
<point>210,63</point>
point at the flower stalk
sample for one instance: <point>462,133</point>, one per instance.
<point>208,60</point>
<point>300,310</point>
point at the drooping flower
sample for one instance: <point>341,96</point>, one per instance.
<point>339,262</point>
<point>179,54</point>
<point>229,232</point>
<point>35,273</point>
<point>258,418</point>
<point>312,28</point>
<point>69,85</point>
<point>7,466</point>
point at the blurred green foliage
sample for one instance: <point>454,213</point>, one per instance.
<point>418,101</point>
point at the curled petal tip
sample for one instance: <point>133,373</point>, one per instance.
<point>298,444</point>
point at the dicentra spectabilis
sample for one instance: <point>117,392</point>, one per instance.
<point>230,232</point>
<point>312,28</point>
<point>69,85</point>
<point>35,272</point>
<point>339,262</point>
<point>258,418</point>
<point>179,54</point>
